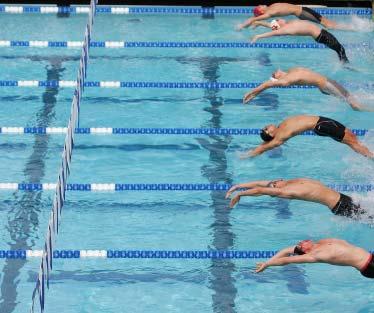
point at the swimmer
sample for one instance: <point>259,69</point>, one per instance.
<point>330,250</point>
<point>262,12</point>
<point>305,189</point>
<point>304,76</point>
<point>281,27</point>
<point>274,136</point>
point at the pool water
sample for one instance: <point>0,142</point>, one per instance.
<point>171,220</point>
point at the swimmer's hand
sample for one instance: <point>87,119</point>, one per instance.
<point>239,27</point>
<point>244,155</point>
<point>231,190</point>
<point>254,39</point>
<point>248,97</point>
<point>260,267</point>
<point>234,201</point>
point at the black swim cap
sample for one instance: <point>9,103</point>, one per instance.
<point>298,251</point>
<point>265,136</point>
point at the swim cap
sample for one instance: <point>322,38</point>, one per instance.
<point>274,25</point>
<point>257,11</point>
<point>265,136</point>
<point>273,79</point>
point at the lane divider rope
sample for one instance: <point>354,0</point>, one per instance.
<point>162,10</point>
<point>149,131</point>
<point>162,85</point>
<point>141,254</point>
<point>118,187</point>
<point>172,44</point>
<point>64,170</point>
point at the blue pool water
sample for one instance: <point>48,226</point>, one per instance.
<point>170,220</point>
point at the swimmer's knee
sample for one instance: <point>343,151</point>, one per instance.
<point>349,138</point>
<point>327,23</point>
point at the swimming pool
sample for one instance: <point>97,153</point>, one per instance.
<point>174,220</point>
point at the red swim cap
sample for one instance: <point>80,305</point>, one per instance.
<point>257,11</point>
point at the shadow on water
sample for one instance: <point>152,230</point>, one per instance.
<point>221,279</point>
<point>140,147</point>
<point>294,276</point>
<point>120,277</point>
<point>264,59</point>
<point>75,58</point>
<point>222,271</point>
<point>283,209</point>
<point>23,219</point>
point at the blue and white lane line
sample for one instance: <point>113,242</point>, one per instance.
<point>115,187</point>
<point>141,254</point>
<point>20,9</point>
<point>163,85</point>
<point>172,44</point>
<point>148,131</point>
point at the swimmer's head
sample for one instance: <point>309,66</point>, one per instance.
<point>277,24</point>
<point>274,25</point>
<point>278,183</point>
<point>268,132</point>
<point>303,247</point>
<point>278,74</point>
<point>259,10</point>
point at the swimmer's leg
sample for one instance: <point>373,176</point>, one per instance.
<point>334,25</point>
<point>330,41</point>
<point>332,87</point>
<point>328,23</point>
<point>351,140</point>
<point>352,101</point>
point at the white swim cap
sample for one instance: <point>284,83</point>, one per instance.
<point>274,25</point>
<point>273,79</point>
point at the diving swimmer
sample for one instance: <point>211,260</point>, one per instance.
<point>304,76</point>
<point>305,189</point>
<point>330,250</point>
<point>281,27</point>
<point>274,136</point>
<point>262,12</point>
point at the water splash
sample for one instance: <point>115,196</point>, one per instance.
<point>362,24</point>
<point>361,170</point>
<point>366,99</point>
<point>358,168</point>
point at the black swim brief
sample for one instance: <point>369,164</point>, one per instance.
<point>330,128</point>
<point>346,207</point>
<point>310,15</point>
<point>330,41</point>
<point>368,270</point>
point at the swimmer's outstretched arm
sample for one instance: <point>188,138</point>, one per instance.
<point>280,261</point>
<point>266,85</point>
<point>277,32</point>
<point>251,20</point>
<point>260,23</point>
<point>256,192</point>
<point>258,183</point>
<point>284,252</point>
